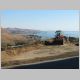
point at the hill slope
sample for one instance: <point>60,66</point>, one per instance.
<point>22,31</point>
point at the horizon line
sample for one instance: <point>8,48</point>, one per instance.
<point>36,29</point>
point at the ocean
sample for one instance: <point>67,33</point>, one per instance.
<point>51,34</point>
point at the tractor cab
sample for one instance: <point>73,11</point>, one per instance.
<point>59,34</point>
<point>58,38</point>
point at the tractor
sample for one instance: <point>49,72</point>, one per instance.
<point>58,40</point>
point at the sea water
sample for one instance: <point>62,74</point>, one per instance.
<point>51,34</point>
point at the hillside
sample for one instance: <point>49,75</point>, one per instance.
<point>9,38</point>
<point>14,37</point>
<point>22,31</point>
<point>6,37</point>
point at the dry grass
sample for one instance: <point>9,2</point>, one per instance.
<point>37,53</point>
<point>10,64</point>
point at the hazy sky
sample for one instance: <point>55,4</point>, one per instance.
<point>66,20</point>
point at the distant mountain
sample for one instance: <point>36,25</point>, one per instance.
<point>22,31</point>
<point>9,38</point>
<point>6,36</point>
<point>15,36</point>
